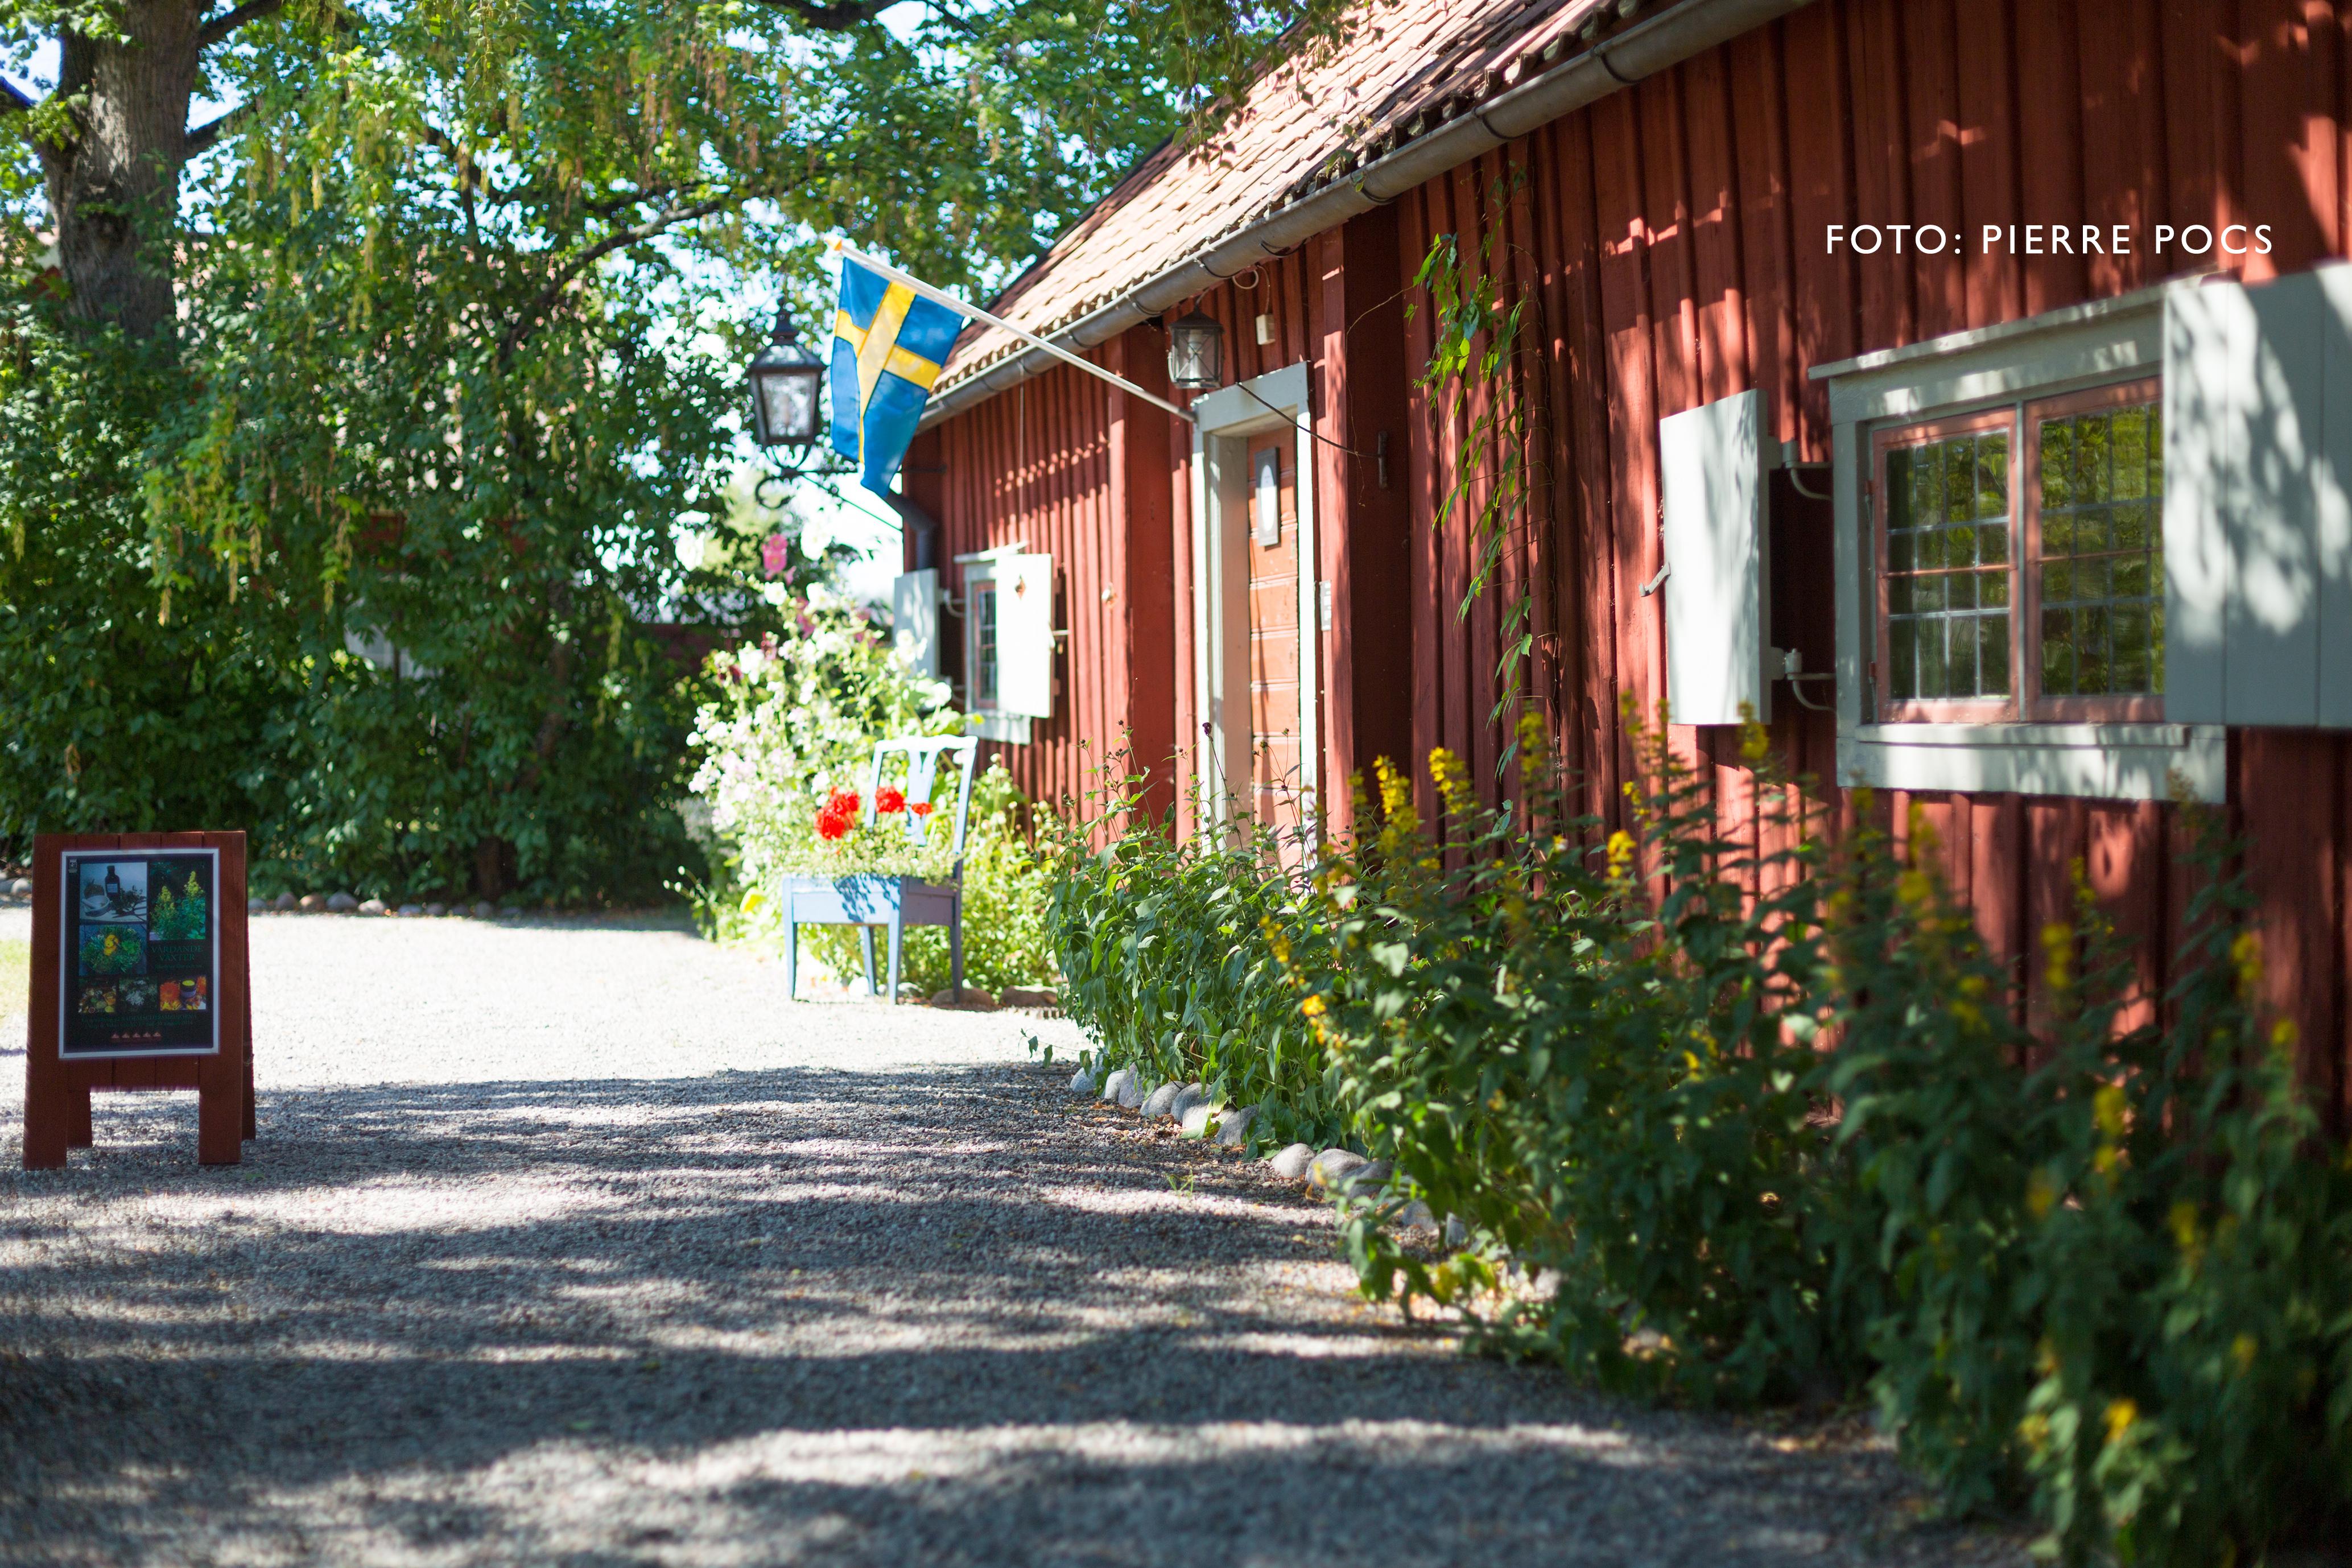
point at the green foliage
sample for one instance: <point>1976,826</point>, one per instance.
<point>1723,1125</point>
<point>1170,956</point>
<point>462,318</point>
<point>795,718</point>
<point>180,916</point>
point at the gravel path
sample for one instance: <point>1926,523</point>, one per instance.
<point>574,1243</point>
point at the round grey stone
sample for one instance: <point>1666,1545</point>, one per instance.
<point>1191,1095</point>
<point>1161,1099</point>
<point>342,903</point>
<point>412,910</point>
<point>483,908</point>
<point>285,901</point>
<point>253,907</point>
<point>1233,1126</point>
<point>1333,1166</point>
<point>311,903</point>
<point>436,911</point>
<point>1116,1084</point>
<point>1131,1094</point>
<point>22,887</point>
<point>372,907</point>
<point>1292,1163</point>
<point>1456,1232</point>
<point>1416,1213</point>
<point>510,912</point>
<point>1082,1082</point>
<point>1366,1179</point>
<point>1199,1117</point>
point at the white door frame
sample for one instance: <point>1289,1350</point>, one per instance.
<point>1225,419</point>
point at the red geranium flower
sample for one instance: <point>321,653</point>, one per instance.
<point>889,798</point>
<point>922,808</point>
<point>842,801</point>
<point>832,824</point>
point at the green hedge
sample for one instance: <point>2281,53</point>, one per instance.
<point>1711,1144</point>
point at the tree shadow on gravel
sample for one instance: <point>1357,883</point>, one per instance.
<point>1032,1345</point>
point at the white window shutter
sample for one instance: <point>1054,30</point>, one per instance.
<point>1024,635</point>
<point>1711,465</point>
<point>2258,501</point>
<point>915,620</point>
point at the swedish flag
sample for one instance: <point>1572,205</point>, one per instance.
<point>887,346</point>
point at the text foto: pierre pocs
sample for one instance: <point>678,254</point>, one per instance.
<point>2047,240</point>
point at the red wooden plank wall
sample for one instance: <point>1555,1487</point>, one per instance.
<point>1670,243</point>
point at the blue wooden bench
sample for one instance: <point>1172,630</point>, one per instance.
<point>893,903</point>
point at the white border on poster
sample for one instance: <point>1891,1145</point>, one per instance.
<point>66,885</point>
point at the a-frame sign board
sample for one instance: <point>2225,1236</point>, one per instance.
<point>141,980</point>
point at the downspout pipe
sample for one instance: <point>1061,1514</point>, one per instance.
<point>1665,40</point>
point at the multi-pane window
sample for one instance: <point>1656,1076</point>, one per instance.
<point>982,604</point>
<point>2069,535</point>
<point>1948,568</point>
<point>2099,567</point>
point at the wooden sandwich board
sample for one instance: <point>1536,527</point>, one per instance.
<point>141,978</point>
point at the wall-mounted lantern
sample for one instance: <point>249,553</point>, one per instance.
<point>1196,354</point>
<point>784,381</point>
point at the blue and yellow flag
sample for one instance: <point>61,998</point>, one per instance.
<point>887,346</point>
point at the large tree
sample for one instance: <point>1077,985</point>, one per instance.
<point>421,339</point>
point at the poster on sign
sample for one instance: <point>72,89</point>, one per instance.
<point>140,960</point>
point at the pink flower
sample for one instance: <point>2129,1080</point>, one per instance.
<point>775,554</point>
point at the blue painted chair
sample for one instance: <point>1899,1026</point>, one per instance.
<point>892,903</point>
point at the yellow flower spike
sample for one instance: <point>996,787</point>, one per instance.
<point>2041,1195</point>
<point>2246,952</point>
<point>1915,889</point>
<point>1452,775</point>
<point>1621,853</point>
<point>1313,1007</point>
<point>2121,1414</point>
<point>1535,747</point>
<point>2284,1035</point>
<point>2035,1430</point>
<point>2057,946</point>
<point>2241,1351</point>
<point>2107,1110</point>
<point>2186,1233</point>
<point>753,900</point>
<point>1754,743</point>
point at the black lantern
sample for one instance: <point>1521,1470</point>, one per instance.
<point>784,381</point>
<point>1196,354</point>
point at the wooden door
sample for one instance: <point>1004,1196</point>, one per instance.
<point>1274,642</point>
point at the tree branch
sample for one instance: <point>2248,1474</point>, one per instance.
<point>838,19</point>
<point>236,16</point>
<point>528,318</point>
<point>203,137</point>
<point>15,102</point>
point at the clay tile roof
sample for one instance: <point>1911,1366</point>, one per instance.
<point>1403,67</point>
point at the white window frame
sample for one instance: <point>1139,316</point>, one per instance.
<point>1012,729</point>
<point>2083,346</point>
<point>1226,419</point>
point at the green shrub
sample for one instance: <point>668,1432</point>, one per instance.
<point>1170,955</point>
<point>1748,1126</point>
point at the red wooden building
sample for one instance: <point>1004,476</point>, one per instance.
<point>1981,355</point>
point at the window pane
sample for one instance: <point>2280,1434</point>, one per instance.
<point>2102,566</point>
<point>2057,653</point>
<point>1993,655</point>
<point>1948,518</point>
<point>1933,680</point>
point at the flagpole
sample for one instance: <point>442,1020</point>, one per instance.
<point>937,297</point>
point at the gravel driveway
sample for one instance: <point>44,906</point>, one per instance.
<point>574,1243</point>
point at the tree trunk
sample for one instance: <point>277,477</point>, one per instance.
<point>114,189</point>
